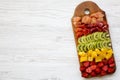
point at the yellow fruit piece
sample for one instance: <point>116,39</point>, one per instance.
<point>94,54</point>
<point>90,58</point>
<point>82,54</point>
<point>110,51</point>
<point>98,59</point>
<point>102,55</point>
<point>104,49</point>
<point>82,59</point>
<point>108,56</point>
<point>89,53</point>
<point>97,51</point>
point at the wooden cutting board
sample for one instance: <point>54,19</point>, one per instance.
<point>88,9</point>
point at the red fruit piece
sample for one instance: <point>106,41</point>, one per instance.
<point>93,67</point>
<point>111,70</point>
<point>98,70</point>
<point>105,68</point>
<point>100,64</point>
<point>86,64</point>
<point>82,26</point>
<point>84,74</point>
<point>88,70</point>
<point>82,68</point>
<point>79,34</point>
<point>92,63</point>
<point>93,74</point>
<point>105,62</point>
<point>111,60</point>
<point>112,65</point>
<point>103,73</point>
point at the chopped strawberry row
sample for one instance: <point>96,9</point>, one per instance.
<point>97,68</point>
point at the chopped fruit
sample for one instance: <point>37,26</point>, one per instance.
<point>76,19</point>
<point>86,20</point>
<point>111,70</point>
<point>100,64</point>
<point>110,51</point>
<point>105,68</point>
<point>93,74</point>
<point>93,67</point>
<point>105,62</point>
<point>78,30</point>
<point>88,70</point>
<point>84,74</point>
<point>111,60</point>
<point>94,54</point>
<point>97,70</point>
<point>104,50</point>
<point>82,59</point>
<point>97,51</point>
<point>82,68</point>
<point>103,73</point>
<point>100,19</point>
<point>108,55</point>
<point>90,58</point>
<point>98,59</point>
<point>93,20</point>
<point>76,24</point>
<point>92,63</point>
<point>86,64</point>
<point>82,54</point>
<point>112,65</point>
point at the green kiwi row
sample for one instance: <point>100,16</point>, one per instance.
<point>94,37</point>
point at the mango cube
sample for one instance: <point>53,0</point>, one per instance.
<point>97,51</point>
<point>82,54</point>
<point>94,54</point>
<point>82,59</point>
<point>90,58</point>
<point>108,56</point>
<point>98,59</point>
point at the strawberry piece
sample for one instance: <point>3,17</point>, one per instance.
<point>111,70</point>
<point>112,65</point>
<point>93,74</point>
<point>93,67</point>
<point>88,70</point>
<point>111,60</point>
<point>84,74</point>
<point>103,73</point>
<point>105,62</point>
<point>82,68</point>
<point>92,63</point>
<point>105,68</point>
<point>98,70</point>
<point>100,64</point>
<point>86,64</point>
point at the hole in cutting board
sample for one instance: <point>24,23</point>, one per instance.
<point>87,11</point>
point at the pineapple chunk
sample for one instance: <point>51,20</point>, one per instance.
<point>82,54</point>
<point>108,56</point>
<point>94,54</point>
<point>110,51</point>
<point>104,50</point>
<point>82,59</point>
<point>90,58</point>
<point>97,51</point>
<point>98,59</point>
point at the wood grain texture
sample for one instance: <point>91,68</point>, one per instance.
<point>37,42</point>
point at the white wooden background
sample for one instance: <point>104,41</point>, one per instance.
<point>37,43</point>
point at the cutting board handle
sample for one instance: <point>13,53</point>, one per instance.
<point>86,8</point>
